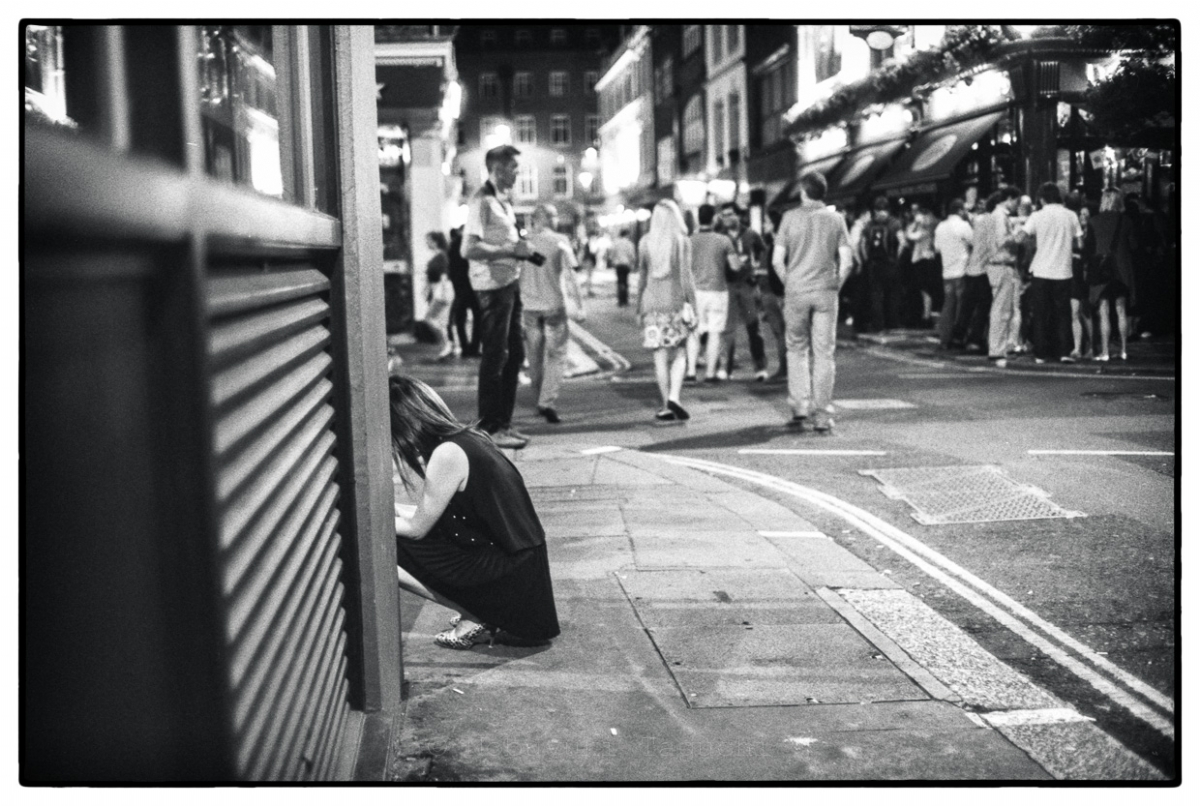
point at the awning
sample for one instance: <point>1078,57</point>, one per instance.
<point>859,169</point>
<point>789,197</point>
<point>934,155</point>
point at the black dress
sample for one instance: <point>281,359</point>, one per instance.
<point>487,552</point>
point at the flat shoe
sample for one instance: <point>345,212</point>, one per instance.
<point>679,410</point>
<point>451,641</point>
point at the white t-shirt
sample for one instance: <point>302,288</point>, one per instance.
<point>952,240</point>
<point>541,286</point>
<point>1055,228</point>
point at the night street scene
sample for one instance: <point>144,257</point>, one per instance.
<point>593,402</point>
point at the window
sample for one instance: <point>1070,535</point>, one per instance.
<point>558,36</point>
<point>560,130</point>
<point>526,129</point>
<point>560,83</point>
<point>592,129</point>
<point>487,38</point>
<point>776,94</point>
<point>828,59</point>
<point>490,131</point>
<point>718,131</point>
<point>527,184</point>
<point>589,80</point>
<point>733,38</point>
<point>716,40</point>
<point>562,180</point>
<point>489,85</point>
<point>522,84</point>
<point>735,126</point>
<point>693,126</point>
<point>666,160</point>
<point>691,39</point>
<point>523,37</point>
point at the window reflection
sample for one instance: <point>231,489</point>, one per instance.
<point>239,106</point>
<point>45,89</point>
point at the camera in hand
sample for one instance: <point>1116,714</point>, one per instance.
<point>537,258</point>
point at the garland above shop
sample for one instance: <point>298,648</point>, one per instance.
<point>964,48</point>
<point>1136,106</point>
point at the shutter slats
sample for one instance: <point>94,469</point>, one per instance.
<point>241,467</point>
<point>258,368</point>
<point>259,647</point>
<point>254,571</point>
<point>244,291</point>
<point>255,413</point>
<point>276,487</point>
<point>243,335</point>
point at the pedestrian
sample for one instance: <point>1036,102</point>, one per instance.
<point>544,316</point>
<point>474,543</point>
<point>879,255</point>
<point>713,254</point>
<point>998,246</point>
<point>465,300</point>
<point>744,300</point>
<point>770,287</point>
<point>1081,307</point>
<point>495,249</point>
<point>972,324</point>
<point>439,293</point>
<point>622,255</point>
<point>1055,231</point>
<point>857,288</point>
<point>1111,246</point>
<point>814,258</point>
<point>952,241</point>
<point>924,273</point>
<point>588,259</point>
<point>667,301</point>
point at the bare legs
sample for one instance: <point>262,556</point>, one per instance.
<point>410,583</point>
<point>670,364</point>
<point>1106,327</point>
<point>1081,325</point>
<point>1122,324</point>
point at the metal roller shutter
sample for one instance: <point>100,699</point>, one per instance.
<point>277,495</point>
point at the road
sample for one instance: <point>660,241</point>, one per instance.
<point>1083,605</point>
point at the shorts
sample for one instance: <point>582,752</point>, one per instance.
<point>712,311</point>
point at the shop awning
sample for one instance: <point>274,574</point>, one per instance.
<point>860,168</point>
<point>789,197</point>
<point>934,155</point>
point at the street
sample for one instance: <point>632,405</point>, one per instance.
<point>1079,600</point>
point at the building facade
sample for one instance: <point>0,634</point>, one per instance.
<point>627,133</point>
<point>534,86</point>
<point>725,96</point>
<point>208,559</point>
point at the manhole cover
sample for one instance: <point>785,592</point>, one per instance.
<point>966,494</point>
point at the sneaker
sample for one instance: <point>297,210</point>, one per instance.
<point>550,414</point>
<point>797,422</point>
<point>1001,363</point>
<point>505,439</point>
<point>822,422</point>
<point>679,411</point>
<point>1066,359</point>
<point>523,378</point>
<point>722,375</point>
<point>1103,357</point>
<point>713,379</point>
<point>761,376</point>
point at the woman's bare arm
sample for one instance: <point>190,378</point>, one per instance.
<point>445,475</point>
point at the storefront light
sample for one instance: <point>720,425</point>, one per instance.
<point>585,179</point>
<point>692,192</point>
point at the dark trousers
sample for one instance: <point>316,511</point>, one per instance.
<point>465,300</point>
<point>622,285</point>
<point>1051,304</point>
<point>503,345</point>
<point>884,291</point>
<point>972,323</point>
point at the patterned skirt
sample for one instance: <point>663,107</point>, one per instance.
<point>665,330</point>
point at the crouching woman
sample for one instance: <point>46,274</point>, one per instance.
<point>474,543</point>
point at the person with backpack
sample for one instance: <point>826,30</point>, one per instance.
<point>879,254</point>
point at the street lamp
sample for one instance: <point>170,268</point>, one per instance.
<point>879,38</point>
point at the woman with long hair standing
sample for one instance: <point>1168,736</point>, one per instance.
<point>474,542</point>
<point>667,302</point>
<point>1111,243</point>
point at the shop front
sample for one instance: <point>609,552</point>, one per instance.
<point>848,185</point>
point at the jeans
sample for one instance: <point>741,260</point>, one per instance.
<point>622,285</point>
<point>811,339</point>
<point>951,304</point>
<point>973,315</point>
<point>743,306</point>
<point>465,300</point>
<point>773,316</point>
<point>884,291</point>
<point>1002,325</point>
<point>503,355</point>
<point>546,346</point>
<point>1052,337</point>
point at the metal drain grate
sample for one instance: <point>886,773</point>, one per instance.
<point>966,494</point>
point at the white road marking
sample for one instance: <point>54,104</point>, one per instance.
<point>606,353</point>
<point>794,534</point>
<point>1036,716</point>
<point>874,404</point>
<point>1102,453</point>
<point>799,452</point>
<point>603,449</point>
<point>1000,606</point>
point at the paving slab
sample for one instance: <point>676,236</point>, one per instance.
<point>559,472</point>
<point>574,522</point>
<point>588,557</point>
<point>610,472</point>
<point>824,563</point>
<point>759,512</point>
<point>787,664</point>
<point>699,519</point>
<point>683,548</point>
<point>715,584</point>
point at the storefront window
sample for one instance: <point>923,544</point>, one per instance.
<point>45,90</point>
<point>239,106</point>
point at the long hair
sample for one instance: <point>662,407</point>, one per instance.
<point>438,239</point>
<point>667,239</point>
<point>420,422</point>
